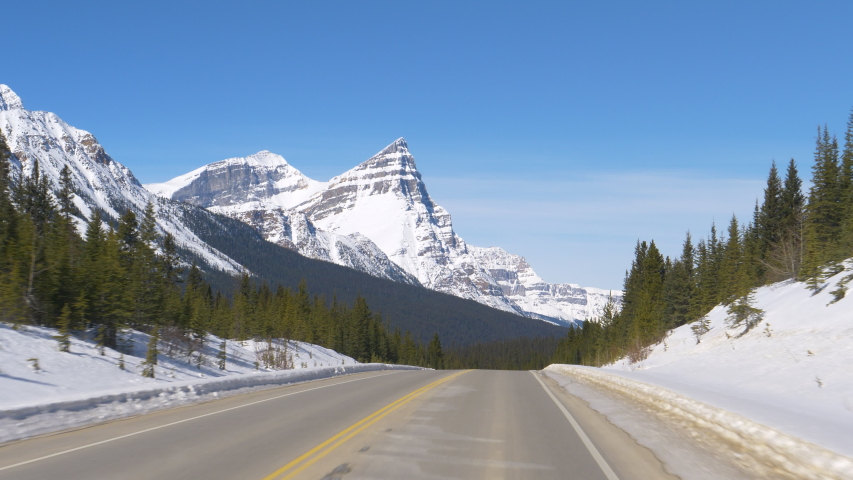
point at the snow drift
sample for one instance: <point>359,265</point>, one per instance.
<point>69,390</point>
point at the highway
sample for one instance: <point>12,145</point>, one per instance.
<point>377,425</point>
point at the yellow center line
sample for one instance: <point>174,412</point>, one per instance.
<point>340,438</point>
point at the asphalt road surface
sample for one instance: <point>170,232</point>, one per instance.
<point>377,425</point>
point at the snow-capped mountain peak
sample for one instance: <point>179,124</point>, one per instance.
<point>398,147</point>
<point>240,184</point>
<point>379,218</point>
<point>9,100</point>
<point>100,183</point>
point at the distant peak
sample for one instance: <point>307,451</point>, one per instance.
<point>398,146</point>
<point>9,100</point>
<point>267,159</point>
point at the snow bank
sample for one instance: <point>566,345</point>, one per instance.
<point>82,386</point>
<point>762,450</point>
<point>40,418</point>
<point>787,383</point>
<point>792,372</point>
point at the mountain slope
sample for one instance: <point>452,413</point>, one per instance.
<point>224,247</point>
<point>790,372</point>
<point>384,200</point>
<point>100,183</point>
<point>408,307</point>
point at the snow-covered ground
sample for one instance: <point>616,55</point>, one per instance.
<point>793,372</point>
<point>82,386</point>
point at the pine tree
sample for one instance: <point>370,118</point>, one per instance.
<point>768,221</point>
<point>151,354</point>
<point>846,187</point>
<point>65,196</point>
<point>771,213</point>
<point>708,270</point>
<point>63,337</point>
<point>649,322</point>
<point>700,327</point>
<point>784,258</point>
<point>35,201</point>
<point>734,278</point>
<point>11,279</point>
<point>743,314</point>
<point>360,337</point>
<point>435,358</point>
<point>100,339</point>
<point>680,286</point>
<point>222,355</point>
<point>823,220</point>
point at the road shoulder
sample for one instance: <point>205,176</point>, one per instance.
<point>628,459</point>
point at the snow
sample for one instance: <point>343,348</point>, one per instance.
<point>99,181</point>
<point>291,186</point>
<point>167,189</point>
<point>789,378</point>
<point>9,100</point>
<point>82,386</point>
<point>384,201</point>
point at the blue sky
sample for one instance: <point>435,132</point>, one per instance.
<point>561,131</point>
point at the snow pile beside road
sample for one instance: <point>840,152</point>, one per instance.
<point>788,381</point>
<point>764,451</point>
<point>792,372</point>
<point>81,387</point>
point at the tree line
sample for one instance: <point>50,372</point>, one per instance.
<point>791,235</point>
<point>126,275</point>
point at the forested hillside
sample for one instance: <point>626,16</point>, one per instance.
<point>791,235</point>
<point>419,310</point>
<point>129,276</point>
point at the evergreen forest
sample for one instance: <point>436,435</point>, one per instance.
<point>128,276</point>
<point>792,235</point>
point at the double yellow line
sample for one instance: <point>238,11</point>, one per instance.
<point>312,456</point>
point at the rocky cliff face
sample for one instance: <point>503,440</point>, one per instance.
<point>100,183</point>
<point>403,233</point>
<point>240,184</point>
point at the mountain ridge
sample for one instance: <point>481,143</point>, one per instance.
<point>385,200</point>
<point>224,247</point>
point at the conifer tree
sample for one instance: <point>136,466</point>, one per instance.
<point>11,302</point>
<point>846,187</point>
<point>222,355</point>
<point>151,354</point>
<point>435,358</point>
<point>649,315</point>
<point>733,273</point>
<point>823,220</point>
<point>743,314</point>
<point>784,257</point>
<point>709,270</point>
<point>771,212</point>
<point>33,197</point>
<point>680,285</point>
<point>65,196</point>
<point>63,337</point>
<point>768,221</point>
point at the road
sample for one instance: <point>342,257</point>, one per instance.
<point>394,425</point>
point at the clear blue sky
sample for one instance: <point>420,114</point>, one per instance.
<point>561,131</point>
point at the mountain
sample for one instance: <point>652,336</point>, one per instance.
<point>225,247</point>
<point>254,189</point>
<point>100,183</point>
<point>385,203</point>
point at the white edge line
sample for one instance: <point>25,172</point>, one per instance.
<point>608,472</point>
<point>7,467</point>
